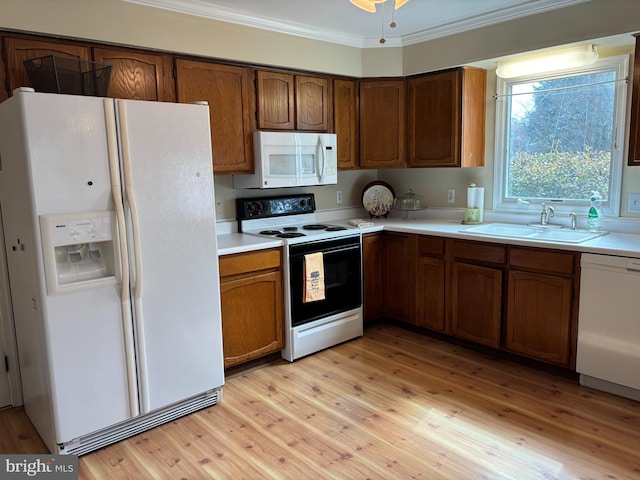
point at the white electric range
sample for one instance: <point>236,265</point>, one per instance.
<point>310,326</point>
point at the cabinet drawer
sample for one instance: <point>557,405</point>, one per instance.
<point>543,260</point>
<point>249,262</point>
<point>482,252</point>
<point>430,245</point>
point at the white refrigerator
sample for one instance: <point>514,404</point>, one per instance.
<point>109,223</point>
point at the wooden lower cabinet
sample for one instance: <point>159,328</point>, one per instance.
<point>396,280</point>
<point>476,303</point>
<point>523,300</point>
<point>386,279</point>
<point>251,295</point>
<point>430,284</point>
<point>372,275</point>
<point>541,314</point>
<point>477,270</point>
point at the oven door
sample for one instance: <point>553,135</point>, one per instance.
<point>342,259</point>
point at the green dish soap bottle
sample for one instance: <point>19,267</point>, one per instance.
<point>595,214</point>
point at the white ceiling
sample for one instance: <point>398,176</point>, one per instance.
<point>341,22</point>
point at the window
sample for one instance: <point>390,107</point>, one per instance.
<point>559,137</point>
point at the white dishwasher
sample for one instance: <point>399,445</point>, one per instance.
<point>608,355</point>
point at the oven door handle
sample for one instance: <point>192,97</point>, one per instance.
<point>329,251</point>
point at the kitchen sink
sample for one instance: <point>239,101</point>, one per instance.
<point>567,235</point>
<point>513,230</point>
<point>501,230</point>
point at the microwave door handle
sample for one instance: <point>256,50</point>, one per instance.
<point>322,154</point>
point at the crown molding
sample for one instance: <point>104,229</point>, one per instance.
<point>207,10</point>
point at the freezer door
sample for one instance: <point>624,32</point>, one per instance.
<point>169,200</point>
<point>70,344</point>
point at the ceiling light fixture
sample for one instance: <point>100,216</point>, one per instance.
<point>370,6</point>
<point>548,61</point>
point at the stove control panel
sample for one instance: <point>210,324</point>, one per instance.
<point>263,207</point>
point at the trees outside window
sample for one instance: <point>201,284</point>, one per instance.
<point>559,136</point>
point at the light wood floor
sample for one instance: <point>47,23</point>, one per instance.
<point>391,405</point>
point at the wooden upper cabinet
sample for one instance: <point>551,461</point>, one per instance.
<point>138,75</point>
<point>276,108</point>
<point>18,49</point>
<point>382,123</point>
<point>345,121</point>
<point>634,130</point>
<point>229,91</point>
<point>446,118</point>
<point>313,97</point>
<point>294,102</point>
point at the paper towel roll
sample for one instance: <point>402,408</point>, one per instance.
<point>475,199</point>
<point>471,196</point>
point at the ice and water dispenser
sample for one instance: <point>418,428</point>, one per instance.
<point>79,250</point>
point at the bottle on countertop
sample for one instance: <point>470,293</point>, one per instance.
<point>594,217</point>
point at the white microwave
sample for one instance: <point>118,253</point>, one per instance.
<point>292,159</point>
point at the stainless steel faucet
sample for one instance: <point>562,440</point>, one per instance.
<point>546,214</point>
<point>574,221</point>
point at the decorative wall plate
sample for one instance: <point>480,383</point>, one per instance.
<point>378,198</point>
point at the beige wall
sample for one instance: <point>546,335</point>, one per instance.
<point>584,21</point>
<point>124,23</point>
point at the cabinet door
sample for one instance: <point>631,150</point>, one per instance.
<point>396,280</point>
<point>476,303</point>
<point>228,90</point>
<point>382,123</point>
<point>252,317</point>
<point>446,119</point>
<point>430,288</point>
<point>313,103</point>
<point>20,49</point>
<point>138,75</point>
<point>345,120</point>
<point>538,323</point>
<point>276,108</point>
<point>372,251</point>
<point>434,120</point>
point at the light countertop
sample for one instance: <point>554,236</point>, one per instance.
<point>229,243</point>
<point>623,244</point>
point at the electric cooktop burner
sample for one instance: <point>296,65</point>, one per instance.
<point>290,235</point>
<point>286,232</point>
<point>327,228</point>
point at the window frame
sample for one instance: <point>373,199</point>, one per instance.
<point>611,208</point>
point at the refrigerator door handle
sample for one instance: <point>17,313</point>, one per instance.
<point>130,199</point>
<point>127,322</point>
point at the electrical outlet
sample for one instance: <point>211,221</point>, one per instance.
<point>338,196</point>
<point>451,195</point>
<point>634,203</point>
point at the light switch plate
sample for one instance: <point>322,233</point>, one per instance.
<point>634,203</point>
